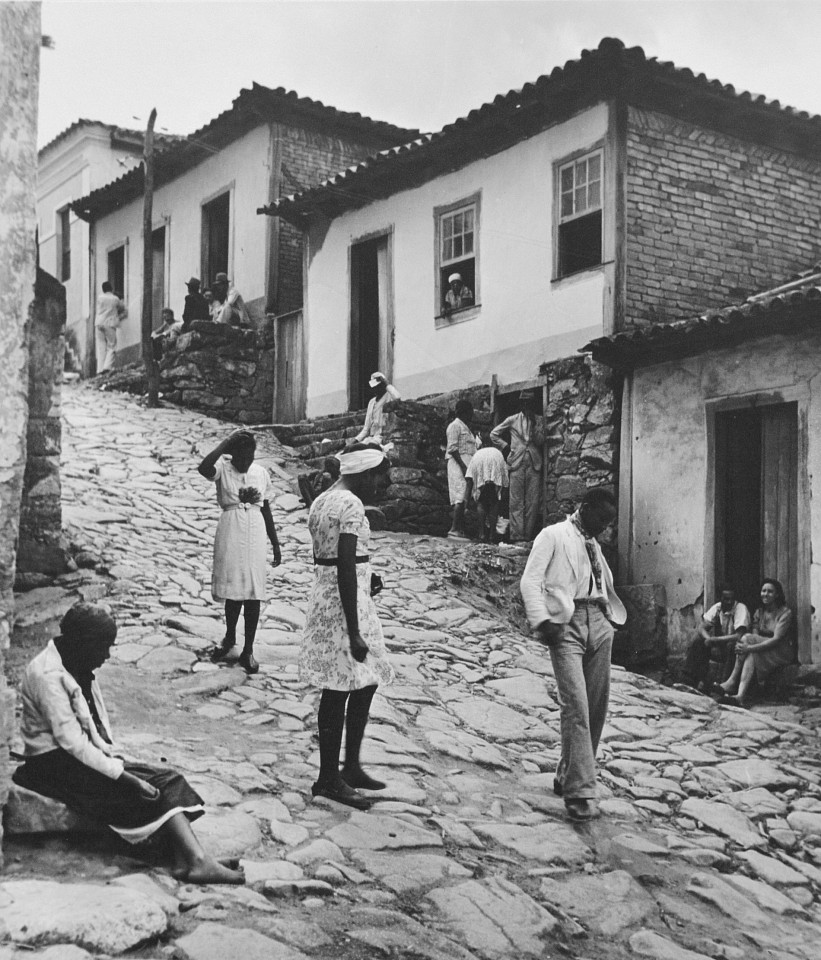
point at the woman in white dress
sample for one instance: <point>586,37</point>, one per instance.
<point>343,651</point>
<point>244,491</point>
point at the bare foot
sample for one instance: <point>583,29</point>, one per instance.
<point>209,870</point>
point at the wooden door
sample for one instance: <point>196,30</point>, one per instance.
<point>288,385</point>
<point>779,496</point>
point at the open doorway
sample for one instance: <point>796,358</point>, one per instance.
<point>756,518</point>
<point>371,332</point>
<point>157,276</point>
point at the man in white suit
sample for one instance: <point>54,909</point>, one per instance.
<point>570,601</point>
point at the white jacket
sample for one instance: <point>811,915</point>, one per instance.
<point>558,571</point>
<point>55,714</point>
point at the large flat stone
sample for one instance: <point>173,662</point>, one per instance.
<point>214,941</point>
<point>549,842</point>
<point>29,812</point>
<point>729,900</point>
<point>648,943</point>
<point>757,802</point>
<point>605,903</point>
<point>108,919</point>
<point>805,822</point>
<point>368,831</point>
<point>228,833</point>
<point>772,870</point>
<point>41,604</point>
<point>391,933</point>
<point>725,820</point>
<point>495,918</point>
<point>753,772</point>
<point>498,721</point>
<point>213,682</point>
<point>526,689</point>
<point>166,660</point>
<point>765,896</point>
<point>411,871</point>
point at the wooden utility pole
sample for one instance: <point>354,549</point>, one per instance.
<point>151,369</point>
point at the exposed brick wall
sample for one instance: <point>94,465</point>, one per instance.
<point>307,158</point>
<point>711,219</point>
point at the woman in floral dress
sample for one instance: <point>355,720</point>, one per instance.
<point>343,651</point>
<point>244,491</point>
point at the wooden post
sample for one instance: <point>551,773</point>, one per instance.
<point>151,368</point>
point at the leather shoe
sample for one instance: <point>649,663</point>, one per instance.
<point>581,809</point>
<point>341,793</point>
<point>558,789</point>
<point>356,777</point>
<point>222,651</point>
<point>248,662</point>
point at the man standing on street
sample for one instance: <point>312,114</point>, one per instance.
<point>111,312</point>
<point>521,438</point>
<point>570,601</point>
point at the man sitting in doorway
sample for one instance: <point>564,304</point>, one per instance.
<point>383,392</point>
<point>458,294</point>
<point>168,331</point>
<point>233,310</point>
<point>720,628</point>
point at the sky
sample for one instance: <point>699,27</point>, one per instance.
<point>415,64</point>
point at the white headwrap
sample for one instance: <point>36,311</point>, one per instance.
<point>358,461</point>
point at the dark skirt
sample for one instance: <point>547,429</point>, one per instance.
<point>62,777</point>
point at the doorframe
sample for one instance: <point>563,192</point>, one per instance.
<point>390,328</point>
<point>800,395</point>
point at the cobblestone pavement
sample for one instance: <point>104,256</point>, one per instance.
<point>710,843</point>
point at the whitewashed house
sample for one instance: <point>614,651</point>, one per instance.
<point>207,188</point>
<point>82,158</point>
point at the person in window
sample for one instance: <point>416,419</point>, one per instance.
<point>196,306</point>
<point>70,756</point>
<point>458,294</point>
<point>722,625</point>
<point>166,333</point>
<point>383,392</point>
<point>521,438</point>
<point>768,646</point>
<point>232,309</point>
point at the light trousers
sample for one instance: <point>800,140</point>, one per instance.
<point>107,345</point>
<point>581,664</point>
<point>525,502</point>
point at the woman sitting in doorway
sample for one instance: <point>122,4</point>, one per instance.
<point>767,647</point>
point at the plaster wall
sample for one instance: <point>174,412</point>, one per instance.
<point>664,542</point>
<point>525,318</point>
<point>241,167</point>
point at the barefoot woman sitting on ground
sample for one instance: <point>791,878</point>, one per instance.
<point>69,754</point>
<point>768,646</point>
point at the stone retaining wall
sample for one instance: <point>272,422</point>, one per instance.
<point>224,371</point>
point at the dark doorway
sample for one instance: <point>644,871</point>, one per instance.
<point>157,275</point>
<point>367,321</point>
<point>116,271</point>
<point>215,237</point>
<point>757,499</point>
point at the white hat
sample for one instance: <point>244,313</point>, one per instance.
<point>376,377</point>
<point>454,276</point>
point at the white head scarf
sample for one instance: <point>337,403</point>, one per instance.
<point>358,461</point>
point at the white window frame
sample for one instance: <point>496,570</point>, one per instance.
<point>577,212</point>
<point>441,214</point>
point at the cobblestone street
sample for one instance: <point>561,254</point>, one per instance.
<point>710,839</point>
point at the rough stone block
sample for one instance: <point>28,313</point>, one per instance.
<point>29,812</point>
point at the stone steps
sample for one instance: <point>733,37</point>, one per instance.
<point>309,438</point>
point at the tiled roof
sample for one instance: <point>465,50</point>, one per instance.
<point>252,107</point>
<point>791,306</point>
<point>607,72</point>
<point>115,132</point>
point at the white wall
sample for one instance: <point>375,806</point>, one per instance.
<point>525,319</point>
<point>665,542</point>
<point>243,166</point>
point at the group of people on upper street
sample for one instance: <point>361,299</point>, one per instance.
<point>220,303</point>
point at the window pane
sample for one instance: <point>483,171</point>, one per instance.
<point>458,223</point>
<point>469,243</point>
<point>447,250</point>
<point>468,221</point>
<point>567,179</point>
<point>581,199</point>
<point>581,172</point>
<point>457,247</point>
<point>594,167</point>
<point>567,204</point>
<point>447,227</point>
<point>594,194</point>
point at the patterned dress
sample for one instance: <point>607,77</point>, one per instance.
<point>241,543</point>
<point>325,659</point>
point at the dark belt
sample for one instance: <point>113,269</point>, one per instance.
<point>334,561</point>
<point>591,602</point>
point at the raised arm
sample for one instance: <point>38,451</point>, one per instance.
<point>208,462</point>
<point>499,432</point>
